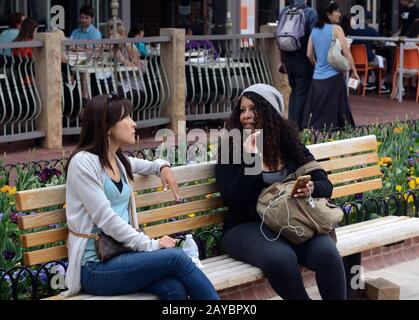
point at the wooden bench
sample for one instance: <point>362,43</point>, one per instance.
<point>352,167</point>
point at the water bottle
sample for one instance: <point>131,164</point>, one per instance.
<point>191,249</point>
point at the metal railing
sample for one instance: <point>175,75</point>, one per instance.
<point>20,102</point>
<point>94,67</point>
<point>219,68</point>
<point>399,42</point>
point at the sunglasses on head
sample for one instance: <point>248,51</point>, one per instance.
<point>113,96</point>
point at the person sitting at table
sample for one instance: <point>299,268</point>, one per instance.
<point>413,33</point>
<point>196,30</point>
<point>129,56</point>
<point>373,59</point>
<point>137,31</point>
<point>87,30</point>
<point>27,30</point>
<point>409,13</point>
<point>10,34</point>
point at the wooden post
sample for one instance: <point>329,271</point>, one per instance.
<point>280,81</point>
<point>172,56</point>
<point>48,80</point>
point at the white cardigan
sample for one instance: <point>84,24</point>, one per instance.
<point>87,206</point>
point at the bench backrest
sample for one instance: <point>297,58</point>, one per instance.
<point>351,164</point>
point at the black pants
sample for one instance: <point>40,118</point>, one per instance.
<point>300,74</point>
<point>279,261</point>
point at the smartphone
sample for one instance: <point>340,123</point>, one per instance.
<point>300,183</point>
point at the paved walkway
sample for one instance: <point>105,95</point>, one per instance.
<point>405,274</point>
<point>366,110</point>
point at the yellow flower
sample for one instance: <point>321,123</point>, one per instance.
<point>159,189</point>
<point>65,205</point>
<point>379,143</point>
<point>212,147</point>
<point>417,180</point>
<point>191,215</point>
<point>386,160</point>
<point>398,130</point>
<point>399,188</point>
<point>12,191</point>
<point>209,196</point>
<point>410,199</point>
<point>412,184</point>
<point>5,189</point>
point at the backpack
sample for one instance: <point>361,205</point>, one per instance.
<point>291,29</point>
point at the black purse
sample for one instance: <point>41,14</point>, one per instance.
<point>108,248</point>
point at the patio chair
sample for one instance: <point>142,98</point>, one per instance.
<point>359,53</point>
<point>410,66</point>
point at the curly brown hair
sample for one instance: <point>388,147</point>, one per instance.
<point>281,137</point>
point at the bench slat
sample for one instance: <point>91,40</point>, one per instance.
<point>379,238</point>
<point>343,147</point>
<point>355,188</point>
<point>150,199</point>
<point>373,229</point>
<point>353,175</point>
<point>185,225</point>
<point>179,210</point>
<point>249,275</point>
<point>372,223</point>
<point>349,162</point>
<point>42,219</point>
<point>183,174</point>
<point>40,198</point>
<point>43,237</point>
<point>45,255</point>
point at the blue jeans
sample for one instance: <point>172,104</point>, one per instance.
<point>167,273</point>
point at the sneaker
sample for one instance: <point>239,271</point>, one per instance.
<point>384,89</point>
<point>370,86</point>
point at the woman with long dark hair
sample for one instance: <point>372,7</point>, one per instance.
<point>327,104</point>
<point>99,199</point>
<point>26,33</point>
<point>260,108</point>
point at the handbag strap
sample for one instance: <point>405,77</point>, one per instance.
<point>84,235</point>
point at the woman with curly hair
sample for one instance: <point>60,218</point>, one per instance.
<point>260,108</point>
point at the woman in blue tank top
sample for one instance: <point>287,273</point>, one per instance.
<point>327,104</point>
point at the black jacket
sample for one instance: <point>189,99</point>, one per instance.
<point>240,192</point>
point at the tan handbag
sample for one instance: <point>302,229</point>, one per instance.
<point>335,57</point>
<point>295,218</point>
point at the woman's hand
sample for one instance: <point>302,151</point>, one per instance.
<point>249,144</point>
<point>355,76</point>
<point>166,242</point>
<point>168,179</point>
<point>305,192</point>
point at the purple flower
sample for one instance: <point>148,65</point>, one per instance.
<point>1,215</point>
<point>347,208</point>
<point>9,255</point>
<point>411,162</point>
<point>7,278</point>
<point>14,215</point>
<point>415,135</point>
<point>359,196</point>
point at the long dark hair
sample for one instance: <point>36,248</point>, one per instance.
<point>100,114</point>
<point>27,29</point>
<point>136,28</point>
<point>323,11</point>
<point>281,137</point>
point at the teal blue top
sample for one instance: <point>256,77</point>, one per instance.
<point>322,38</point>
<point>120,205</point>
<point>142,49</point>
<point>8,36</point>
